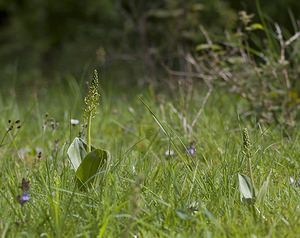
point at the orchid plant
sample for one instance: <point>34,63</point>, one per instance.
<point>87,160</point>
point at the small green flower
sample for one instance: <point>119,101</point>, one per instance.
<point>246,143</point>
<point>92,99</point>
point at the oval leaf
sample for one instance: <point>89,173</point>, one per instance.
<point>91,164</point>
<point>76,152</point>
<point>246,189</point>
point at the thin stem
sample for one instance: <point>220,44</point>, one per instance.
<point>88,136</point>
<point>248,155</point>
<point>251,174</point>
<point>3,138</point>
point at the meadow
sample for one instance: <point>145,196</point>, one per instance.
<point>191,128</point>
<point>179,166</point>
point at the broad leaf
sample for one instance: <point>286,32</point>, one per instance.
<point>246,190</point>
<point>91,164</point>
<point>76,152</point>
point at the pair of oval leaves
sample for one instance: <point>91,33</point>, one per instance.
<point>87,165</point>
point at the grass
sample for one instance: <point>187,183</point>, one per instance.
<point>145,193</point>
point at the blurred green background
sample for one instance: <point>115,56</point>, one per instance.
<point>40,40</point>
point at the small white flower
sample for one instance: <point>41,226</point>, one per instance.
<point>74,122</point>
<point>292,181</point>
<point>295,182</point>
<point>169,152</point>
<point>131,110</point>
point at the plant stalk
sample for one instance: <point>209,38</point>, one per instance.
<point>88,136</point>
<point>251,174</point>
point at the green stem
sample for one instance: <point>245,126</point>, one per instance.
<point>88,136</point>
<point>251,174</point>
<point>3,138</point>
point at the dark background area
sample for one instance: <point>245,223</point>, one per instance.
<point>40,40</point>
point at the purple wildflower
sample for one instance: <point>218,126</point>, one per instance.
<point>23,199</point>
<point>191,149</point>
<point>25,195</point>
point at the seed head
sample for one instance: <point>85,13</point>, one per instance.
<point>25,185</point>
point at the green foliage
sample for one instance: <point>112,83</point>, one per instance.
<point>246,184</point>
<point>87,165</point>
<point>46,37</point>
<point>246,189</point>
<point>248,192</point>
<point>257,62</point>
<point>144,192</point>
<point>91,165</point>
<point>85,159</point>
<point>177,169</point>
<point>76,152</point>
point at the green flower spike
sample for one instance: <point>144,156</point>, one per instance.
<point>91,102</point>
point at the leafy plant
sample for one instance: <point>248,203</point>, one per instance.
<point>258,61</point>
<point>246,184</point>
<point>86,159</point>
